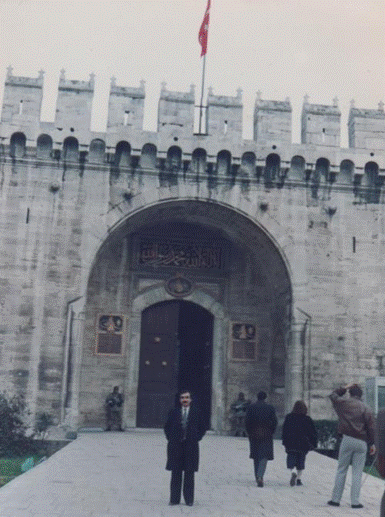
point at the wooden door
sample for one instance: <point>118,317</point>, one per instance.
<point>158,363</point>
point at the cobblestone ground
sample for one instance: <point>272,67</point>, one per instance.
<point>122,474</point>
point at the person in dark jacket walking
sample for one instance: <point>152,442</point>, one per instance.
<point>261,422</point>
<point>184,429</point>
<point>299,436</point>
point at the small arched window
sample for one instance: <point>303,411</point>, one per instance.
<point>18,144</point>
<point>44,147</point>
<point>198,161</point>
<point>97,150</point>
<point>122,154</point>
<point>71,149</point>
<point>248,164</point>
<point>174,158</point>
<point>224,163</point>
<point>273,163</point>
<point>297,168</point>
<point>372,183</point>
<point>148,157</point>
<point>322,168</point>
<point>346,175</point>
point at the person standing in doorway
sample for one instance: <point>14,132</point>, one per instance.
<point>299,436</point>
<point>261,422</point>
<point>184,429</point>
<point>114,407</point>
<point>356,425</point>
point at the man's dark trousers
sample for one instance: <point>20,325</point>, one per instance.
<point>176,483</point>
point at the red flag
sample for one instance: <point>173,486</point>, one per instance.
<point>204,30</point>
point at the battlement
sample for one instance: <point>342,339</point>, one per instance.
<point>76,86</point>
<point>321,109</point>
<point>221,129</point>
<point>272,121</point>
<point>172,96</point>
<point>128,91</point>
<point>268,105</point>
<point>367,127</point>
<point>367,113</point>
<point>223,100</point>
<point>28,82</point>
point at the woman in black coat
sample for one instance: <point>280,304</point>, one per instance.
<point>299,436</point>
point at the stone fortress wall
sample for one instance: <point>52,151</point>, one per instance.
<point>67,193</point>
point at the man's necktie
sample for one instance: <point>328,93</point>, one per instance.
<point>184,422</point>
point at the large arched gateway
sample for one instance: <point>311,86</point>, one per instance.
<point>184,294</point>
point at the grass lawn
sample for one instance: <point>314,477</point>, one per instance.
<point>11,467</point>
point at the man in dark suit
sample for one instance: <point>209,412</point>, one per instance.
<point>261,422</point>
<point>184,429</point>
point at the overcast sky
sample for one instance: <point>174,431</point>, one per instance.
<point>284,48</point>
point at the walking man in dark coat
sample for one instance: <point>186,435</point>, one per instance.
<point>261,422</point>
<point>184,429</point>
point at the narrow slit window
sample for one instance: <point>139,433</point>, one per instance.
<point>20,107</point>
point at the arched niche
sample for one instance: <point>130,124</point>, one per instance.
<point>44,147</point>
<point>71,149</point>
<point>18,145</point>
<point>198,161</point>
<point>174,158</point>
<point>123,154</point>
<point>346,174</point>
<point>297,168</point>
<point>224,163</point>
<point>97,151</point>
<point>148,157</point>
<point>248,162</point>
<point>273,163</point>
<point>372,183</point>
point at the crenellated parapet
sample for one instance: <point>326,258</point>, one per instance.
<point>73,108</point>
<point>224,116</point>
<point>176,113</point>
<point>367,128</point>
<point>216,149</point>
<point>321,124</point>
<point>125,111</point>
<point>272,121</point>
<point>22,105</point>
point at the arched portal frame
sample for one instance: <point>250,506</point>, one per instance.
<point>237,225</point>
<point>159,294</point>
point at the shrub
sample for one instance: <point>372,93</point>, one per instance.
<point>13,428</point>
<point>327,434</point>
<point>44,421</point>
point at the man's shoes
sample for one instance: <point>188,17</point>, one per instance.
<point>332,503</point>
<point>357,505</point>
<point>189,504</point>
<point>299,482</point>
<point>293,478</point>
<point>172,504</point>
<point>260,482</point>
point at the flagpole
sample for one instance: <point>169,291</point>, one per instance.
<point>202,93</point>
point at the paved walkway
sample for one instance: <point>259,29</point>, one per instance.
<point>123,475</point>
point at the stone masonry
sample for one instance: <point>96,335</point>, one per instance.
<point>300,229</point>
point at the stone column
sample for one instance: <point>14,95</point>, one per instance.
<point>295,366</point>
